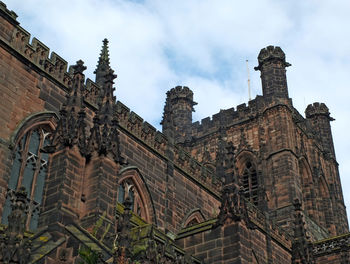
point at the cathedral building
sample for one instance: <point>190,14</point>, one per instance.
<point>84,179</point>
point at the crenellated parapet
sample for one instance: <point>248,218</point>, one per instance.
<point>226,118</point>
<point>269,54</point>
<point>135,125</point>
<point>190,165</point>
<point>317,109</point>
<point>9,14</point>
<point>180,92</point>
<point>91,92</point>
<point>38,54</point>
<point>231,117</point>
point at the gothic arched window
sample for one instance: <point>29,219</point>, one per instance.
<point>250,183</point>
<point>127,188</point>
<point>29,170</point>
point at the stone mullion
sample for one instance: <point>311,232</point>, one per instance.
<point>37,168</point>
<point>24,157</point>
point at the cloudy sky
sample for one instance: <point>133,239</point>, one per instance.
<point>158,44</point>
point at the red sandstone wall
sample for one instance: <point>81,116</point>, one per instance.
<point>182,193</point>
<point>235,243</point>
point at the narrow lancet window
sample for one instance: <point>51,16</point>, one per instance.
<point>250,183</point>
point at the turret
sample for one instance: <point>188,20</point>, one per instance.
<point>272,65</point>
<point>319,117</point>
<point>177,117</point>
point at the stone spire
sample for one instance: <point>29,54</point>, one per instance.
<point>103,66</point>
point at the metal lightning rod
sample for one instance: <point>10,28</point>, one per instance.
<point>250,98</point>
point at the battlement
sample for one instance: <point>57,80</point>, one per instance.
<point>242,113</point>
<point>37,53</point>
<point>316,109</point>
<point>271,53</point>
<point>11,15</point>
<point>229,117</point>
<point>180,92</point>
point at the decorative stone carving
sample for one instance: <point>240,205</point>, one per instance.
<point>71,128</point>
<point>15,247</point>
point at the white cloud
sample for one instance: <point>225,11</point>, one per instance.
<point>156,45</point>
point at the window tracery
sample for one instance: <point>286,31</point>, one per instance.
<point>29,170</point>
<point>128,188</point>
<point>250,182</point>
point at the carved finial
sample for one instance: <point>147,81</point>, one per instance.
<point>79,67</point>
<point>232,205</point>
<point>103,65</point>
